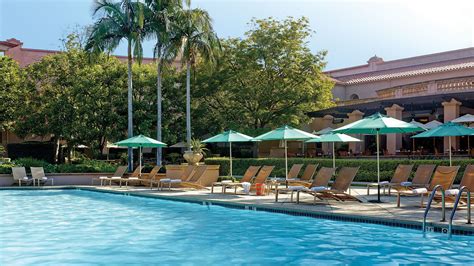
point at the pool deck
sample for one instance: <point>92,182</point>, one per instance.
<point>410,214</point>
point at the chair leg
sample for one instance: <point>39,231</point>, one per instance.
<point>297,197</point>
<point>421,202</point>
<point>398,200</point>
<point>212,189</point>
<point>368,190</point>
<point>276,195</point>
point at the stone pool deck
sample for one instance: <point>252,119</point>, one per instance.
<point>410,214</point>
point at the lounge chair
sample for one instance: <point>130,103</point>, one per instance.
<point>444,176</point>
<point>38,175</point>
<point>466,181</point>
<point>19,175</point>
<point>187,173</point>
<point>260,178</point>
<point>145,177</point>
<point>119,172</point>
<point>338,189</point>
<point>421,178</point>
<point>307,176</point>
<point>321,181</point>
<point>249,174</point>
<point>401,174</point>
<point>152,176</point>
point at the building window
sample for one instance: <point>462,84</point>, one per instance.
<point>2,53</point>
<point>354,97</point>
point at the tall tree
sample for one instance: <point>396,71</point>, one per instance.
<point>162,12</point>
<point>271,75</point>
<point>193,32</point>
<point>119,21</point>
<point>12,91</point>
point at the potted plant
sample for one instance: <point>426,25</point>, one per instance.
<point>194,156</point>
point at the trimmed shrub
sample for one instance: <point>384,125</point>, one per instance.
<point>85,166</point>
<point>367,171</point>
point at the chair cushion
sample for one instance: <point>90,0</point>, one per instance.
<point>420,190</point>
<point>175,181</point>
<point>406,184</point>
<point>319,188</point>
<point>133,178</point>
<point>296,188</point>
<point>103,177</point>
<point>164,180</point>
<point>116,177</point>
<point>451,192</point>
<point>384,182</point>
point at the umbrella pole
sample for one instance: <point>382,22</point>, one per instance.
<point>333,156</point>
<point>286,163</point>
<point>140,172</point>
<point>378,167</point>
<point>230,157</point>
<point>449,138</point>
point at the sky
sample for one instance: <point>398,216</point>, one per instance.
<point>350,30</point>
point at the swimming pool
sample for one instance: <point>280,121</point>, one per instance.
<point>84,227</point>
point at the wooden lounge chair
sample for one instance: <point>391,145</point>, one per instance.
<point>194,180</point>
<point>260,178</point>
<point>119,172</point>
<point>19,176</point>
<point>134,176</point>
<point>307,176</point>
<point>421,178</point>
<point>187,173</point>
<point>320,181</point>
<point>145,177</point>
<point>401,174</point>
<point>341,184</point>
<point>466,181</point>
<point>249,174</point>
<point>444,176</point>
<point>38,175</point>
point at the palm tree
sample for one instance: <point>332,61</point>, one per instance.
<point>119,21</point>
<point>162,12</point>
<point>193,32</point>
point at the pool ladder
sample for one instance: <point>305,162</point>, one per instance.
<point>456,202</point>
<point>443,202</point>
<point>428,206</point>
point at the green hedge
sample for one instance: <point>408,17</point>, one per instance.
<point>85,166</point>
<point>367,171</point>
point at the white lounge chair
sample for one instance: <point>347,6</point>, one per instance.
<point>19,175</point>
<point>38,176</point>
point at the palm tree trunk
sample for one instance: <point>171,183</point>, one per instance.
<point>129,102</point>
<point>188,104</point>
<point>158,112</point>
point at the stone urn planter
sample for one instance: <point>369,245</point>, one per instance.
<point>193,158</point>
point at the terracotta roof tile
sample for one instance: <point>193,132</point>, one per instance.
<point>405,72</point>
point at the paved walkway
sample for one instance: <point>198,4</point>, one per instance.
<point>410,211</point>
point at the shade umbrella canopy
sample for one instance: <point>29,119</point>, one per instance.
<point>180,144</point>
<point>334,137</point>
<point>229,137</point>
<point>433,124</point>
<point>323,131</point>
<point>377,124</point>
<point>418,124</point>
<point>467,118</point>
<point>449,130</point>
<point>140,141</point>
<point>286,133</point>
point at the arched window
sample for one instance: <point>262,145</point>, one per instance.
<point>354,97</point>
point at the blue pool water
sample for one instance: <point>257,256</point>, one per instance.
<point>54,227</point>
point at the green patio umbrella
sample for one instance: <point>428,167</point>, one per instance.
<point>140,142</point>
<point>449,130</point>
<point>229,137</point>
<point>377,124</point>
<point>334,137</point>
<point>286,133</point>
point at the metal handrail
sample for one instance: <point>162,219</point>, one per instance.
<point>428,205</point>
<point>456,202</point>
